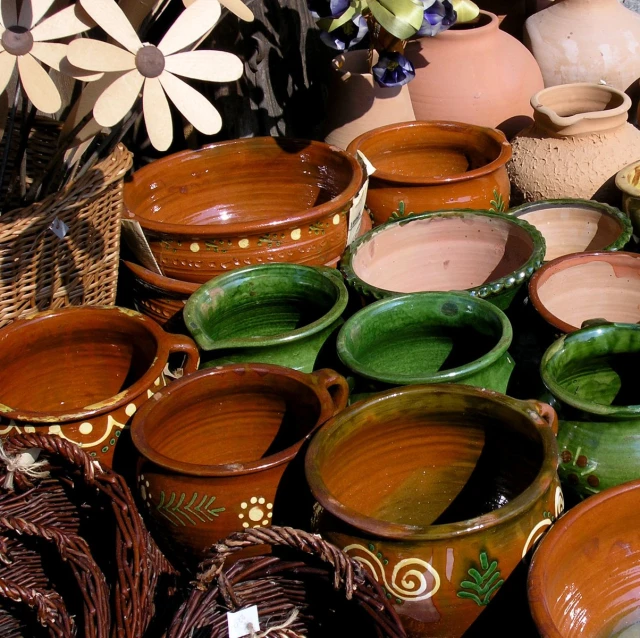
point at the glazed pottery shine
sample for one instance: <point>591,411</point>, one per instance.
<point>585,575</point>
<point>245,202</point>
<point>593,377</point>
<point>579,140</point>
<point>488,255</point>
<point>440,491</point>
<point>428,337</point>
<point>280,314</point>
<point>82,373</point>
<point>576,288</point>
<point>422,166</point>
<point>217,449</point>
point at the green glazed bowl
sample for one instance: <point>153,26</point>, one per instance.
<point>593,377</point>
<point>485,254</point>
<point>277,313</point>
<point>428,337</point>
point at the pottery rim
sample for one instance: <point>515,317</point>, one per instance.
<point>206,343</point>
<point>535,582</point>
<point>160,282</point>
<point>230,469</point>
<point>557,265</point>
<point>114,402</point>
<point>494,165</point>
<point>398,531</point>
<point>586,334</point>
<point>624,184</point>
<point>487,289</point>
<point>243,228</point>
<point>451,375</point>
<point>488,21</point>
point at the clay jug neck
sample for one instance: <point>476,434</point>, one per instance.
<point>590,5</point>
<point>487,25</point>
<point>569,110</point>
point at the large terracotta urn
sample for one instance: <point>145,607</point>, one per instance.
<point>579,141</point>
<point>586,41</point>
<point>474,73</point>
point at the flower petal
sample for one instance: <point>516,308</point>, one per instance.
<point>118,98</point>
<point>38,85</point>
<point>7,64</point>
<point>196,20</point>
<point>194,106</point>
<point>157,114</point>
<point>95,55</point>
<point>239,9</point>
<point>51,53</point>
<point>111,18</point>
<point>212,66</point>
<point>32,11</point>
<point>8,13</point>
<point>70,21</point>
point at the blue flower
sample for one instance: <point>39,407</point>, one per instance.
<point>346,36</point>
<point>393,69</point>
<point>439,15</point>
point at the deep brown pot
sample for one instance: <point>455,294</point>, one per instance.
<point>83,372</point>
<point>245,202</point>
<point>217,446</point>
<point>440,491</point>
<point>426,166</point>
<point>585,576</point>
<point>575,288</point>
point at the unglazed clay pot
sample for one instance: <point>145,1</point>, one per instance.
<point>489,255</point>
<point>216,447</point>
<point>474,73</point>
<point>280,314</point>
<point>576,288</point>
<point>82,373</point>
<point>593,376</point>
<point>628,181</point>
<point>249,201</point>
<point>585,575</point>
<point>357,103</point>
<point>576,225</point>
<point>428,337</point>
<point>440,491</point>
<point>586,41</point>
<point>421,166</point>
<point>579,141</point>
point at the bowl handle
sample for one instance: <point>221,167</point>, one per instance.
<point>547,413</point>
<point>178,343</point>
<point>331,273</point>
<point>337,387</point>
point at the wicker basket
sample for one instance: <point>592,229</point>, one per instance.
<point>311,588</point>
<point>38,270</point>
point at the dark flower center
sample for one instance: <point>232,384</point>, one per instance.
<point>150,61</point>
<point>17,40</point>
<point>392,66</point>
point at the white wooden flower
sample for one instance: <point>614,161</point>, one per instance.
<point>26,40</point>
<point>154,70</point>
<point>237,7</point>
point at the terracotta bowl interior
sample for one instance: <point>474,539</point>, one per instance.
<point>589,576</point>
<point>434,461</point>
<point>222,419</point>
<point>442,253</point>
<point>572,229</point>
<point>257,181</point>
<point>585,98</point>
<point>430,151</point>
<point>582,288</point>
<point>69,362</point>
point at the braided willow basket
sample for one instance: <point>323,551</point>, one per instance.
<point>310,588</point>
<point>75,556</point>
<point>38,270</point>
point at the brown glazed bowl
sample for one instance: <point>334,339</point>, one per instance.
<point>83,372</point>
<point>440,491</point>
<point>423,166</point>
<point>217,448</point>
<point>575,288</point>
<point>245,202</point>
<point>585,575</point>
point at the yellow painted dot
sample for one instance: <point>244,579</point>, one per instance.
<point>29,429</point>
<point>255,514</point>
<point>296,234</point>
<point>142,477</point>
<point>157,381</point>
<point>269,506</point>
<point>243,243</point>
<point>243,506</point>
<point>85,428</point>
<point>261,501</point>
<point>241,516</point>
<point>336,220</point>
<point>254,500</point>
<point>130,410</point>
<point>143,493</point>
<point>54,429</point>
<point>245,525</point>
<point>265,522</point>
<point>270,515</point>
<point>194,247</point>
<point>146,483</point>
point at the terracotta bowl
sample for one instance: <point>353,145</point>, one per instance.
<point>628,181</point>
<point>576,225</point>
<point>585,575</point>
<point>423,166</point>
<point>440,491</point>
<point>248,201</point>
<point>486,254</point>
<point>216,446</point>
<point>575,288</point>
<point>83,372</point>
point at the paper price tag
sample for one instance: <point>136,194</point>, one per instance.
<point>59,228</point>
<point>137,241</point>
<point>371,169</point>
<point>244,622</point>
<point>356,212</point>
